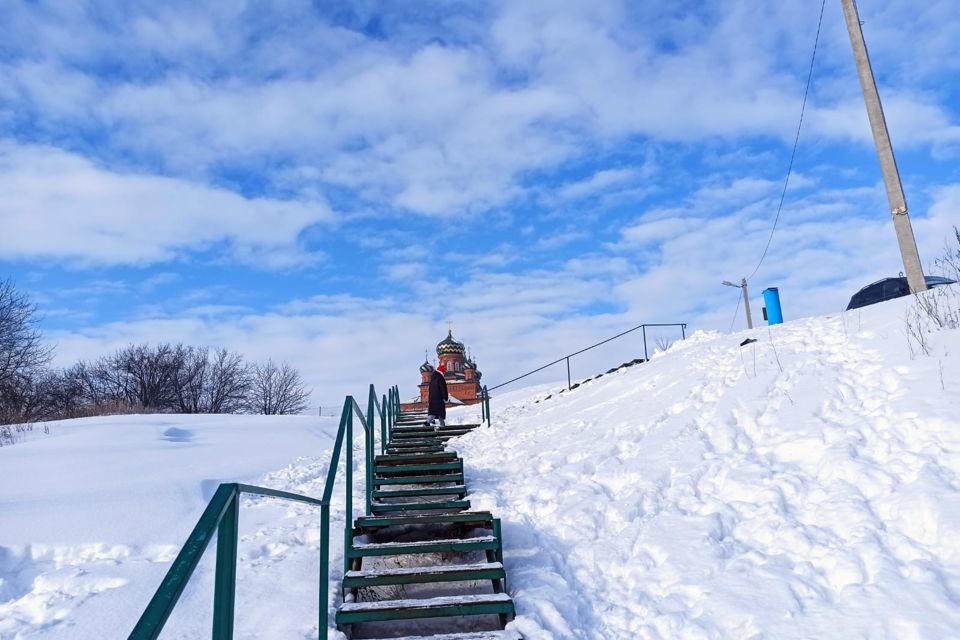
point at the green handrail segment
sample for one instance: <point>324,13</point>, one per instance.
<point>173,584</point>
<point>225,585</point>
<point>348,505</point>
<point>324,617</point>
<point>276,493</point>
<point>486,406</point>
<point>383,426</point>
<point>221,517</point>
<point>368,463</point>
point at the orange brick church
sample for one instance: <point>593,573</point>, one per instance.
<point>462,375</point>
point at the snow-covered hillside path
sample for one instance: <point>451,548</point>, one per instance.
<point>803,486</point>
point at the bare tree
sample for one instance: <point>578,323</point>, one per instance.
<point>190,379</point>
<point>230,382</point>
<point>22,356</point>
<point>276,390</point>
<point>21,349</point>
<point>211,384</point>
<point>150,373</point>
<point>103,386</point>
<point>62,394</point>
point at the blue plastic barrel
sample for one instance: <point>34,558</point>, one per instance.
<point>771,300</point>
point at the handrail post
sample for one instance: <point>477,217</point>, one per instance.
<point>324,616</point>
<point>396,410</point>
<point>225,581</point>
<point>389,411</point>
<point>370,428</point>
<point>486,402</point>
<point>348,516</point>
<point>645,356</point>
<point>383,425</point>
<point>569,388</point>
<point>683,331</point>
<point>391,418</point>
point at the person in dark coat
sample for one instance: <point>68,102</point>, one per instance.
<point>436,404</point>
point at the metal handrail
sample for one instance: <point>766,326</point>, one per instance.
<point>485,406</point>
<point>222,515</point>
<point>358,411</point>
<point>683,333</point>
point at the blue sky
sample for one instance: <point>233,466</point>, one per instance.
<point>330,183</point>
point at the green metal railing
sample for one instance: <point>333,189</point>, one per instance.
<point>221,517</point>
<point>485,405</point>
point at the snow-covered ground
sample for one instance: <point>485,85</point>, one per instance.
<point>806,485</point>
<point>92,514</point>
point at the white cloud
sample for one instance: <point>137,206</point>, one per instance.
<point>440,129</point>
<point>598,182</point>
<point>61,206</point>
<point>405,271</point>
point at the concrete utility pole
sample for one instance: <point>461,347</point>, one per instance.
<point>888,165</point>
<point>746,303</point>
<point>746,299</point>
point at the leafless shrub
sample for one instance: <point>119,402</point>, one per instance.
<point>662,343</point>
<point>937,308</point>
<point>948,263</point>
<point>276,390</point>
<point>17,432</point>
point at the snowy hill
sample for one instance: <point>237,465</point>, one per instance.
<point>802,486</point>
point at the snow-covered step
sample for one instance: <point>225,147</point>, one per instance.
<point>426,431</point>
<point>420,479</point>
<point>385,507</point>
<point>469,635</point>
<point>425,449</point>
<point>415,458</point>
<point>453,490</point>
<point>418,469</point>
<point>412,444</point>
<point>463,605</point>
<point>420,575</point>
<point>362,549</point>
<point>476,518</point>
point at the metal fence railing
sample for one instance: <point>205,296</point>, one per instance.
<point>566,358</point>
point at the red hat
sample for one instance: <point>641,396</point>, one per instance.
<point>442,368</point>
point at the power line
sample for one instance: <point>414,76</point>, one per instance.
<point>796,141</point>
<point>736,312</point>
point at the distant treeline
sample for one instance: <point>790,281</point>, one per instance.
<point>162,378</point>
